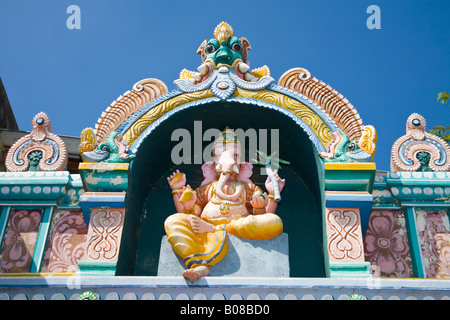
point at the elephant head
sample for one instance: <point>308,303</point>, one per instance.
<point>227,165</point>
<point>113,150</point>
<point>341,149</point>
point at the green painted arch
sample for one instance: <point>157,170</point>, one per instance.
<point>149,202</point>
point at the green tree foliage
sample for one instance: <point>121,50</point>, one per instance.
<point>442,131</point>
<point>443,96</point>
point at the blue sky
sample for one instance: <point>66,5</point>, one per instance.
<point>73,75</point>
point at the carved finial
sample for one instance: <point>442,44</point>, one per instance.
<point>416,126</point>
<point>41,126</point>
<point>419,150</point>
<point>40,150</point>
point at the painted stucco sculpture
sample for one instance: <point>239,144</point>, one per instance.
<point>419,150</point>
<point>225,67</point>
<point>227,202</point>
<point>40,150</point>
<point>341,149</point>
<point>119,111</point>
<point>113,150</point>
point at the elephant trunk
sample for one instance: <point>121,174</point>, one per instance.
<point>224,176</point>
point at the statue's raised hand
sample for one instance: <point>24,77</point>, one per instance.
<point>269,186</point>
<point>176,180</point>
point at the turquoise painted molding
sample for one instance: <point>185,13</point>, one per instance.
<point>96,268</point>
<point>4,218</point>
<point>349,176</point>
<point>382,195</point>
<point>33,185</point>
<point>420,186</point>
<point>396,189</point>
<point>414,245</point>
<point>350,270</point>
<point>104,177</point>
<point>39,248</point>
<point>71,197</point>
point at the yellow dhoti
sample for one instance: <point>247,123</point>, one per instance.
<point>209,248</point>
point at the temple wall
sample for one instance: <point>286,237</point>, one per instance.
<point>386,244</point>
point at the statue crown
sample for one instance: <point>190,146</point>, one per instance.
<point>227,136</point>
<point>223,31</point>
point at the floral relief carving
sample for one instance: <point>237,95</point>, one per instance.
<point>442,241</point>
<point>20,239</point>
<point>344,234</point>
<point>104,234</point>
<point>386,244</point>
<point>67,242</point>
<point>433,226</point>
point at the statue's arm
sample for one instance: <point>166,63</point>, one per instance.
<point>271,205</point>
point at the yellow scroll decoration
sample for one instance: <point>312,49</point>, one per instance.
<point>294,106</point>
<point>153,114</point>
<point>88,140</point>
<point>368,140</point>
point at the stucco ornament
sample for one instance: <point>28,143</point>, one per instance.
<point>40,150</point>
<point>224,66</point>
<point>113,150</point>
<point>341,149</point>
<point>227,202</point>
<point>419,150</point>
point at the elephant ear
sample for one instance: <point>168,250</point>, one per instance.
<point>209,173</point>
<point>245,172</point>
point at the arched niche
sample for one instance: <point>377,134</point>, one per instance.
<point>149,201</point>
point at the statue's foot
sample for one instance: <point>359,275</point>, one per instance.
<point>200,226</point>
<point>196,273</point>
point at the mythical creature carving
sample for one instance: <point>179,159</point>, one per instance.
<point>40,150</point>
<point>341,149</point>
<point>419,150</point>
<point>227,202</point>
<point>113,150</point>
<point>224,66</point>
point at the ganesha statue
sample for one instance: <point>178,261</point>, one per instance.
<point>226,202</point>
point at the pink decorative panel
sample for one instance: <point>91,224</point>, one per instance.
<point>442,246</point>
<point>67,242</point>
<point>433,229</point>
<point>105,232</point>
<point>386,244</point>
<point>20,239</point>
<point>344,235</point>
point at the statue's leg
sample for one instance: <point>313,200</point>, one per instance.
<point>258,227</point>
<point>193,248</point>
